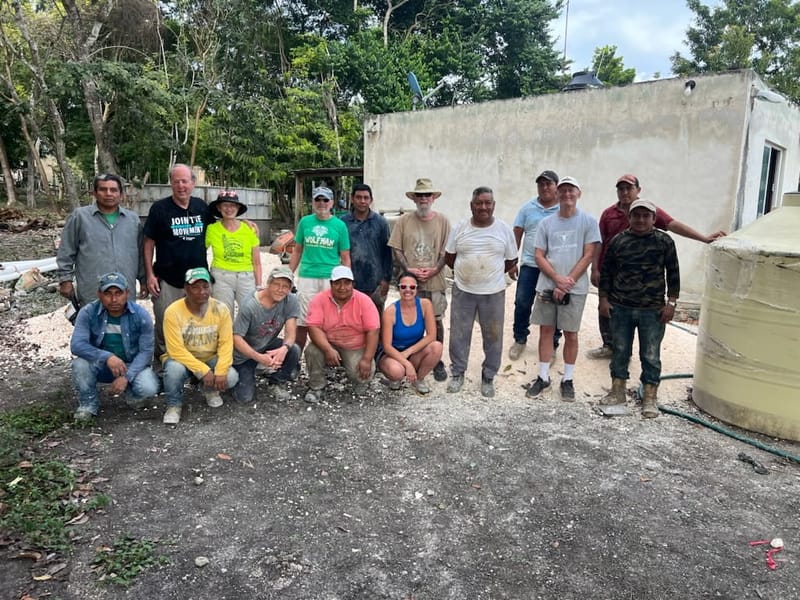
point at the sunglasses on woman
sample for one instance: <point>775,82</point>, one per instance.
<point>407,286</point>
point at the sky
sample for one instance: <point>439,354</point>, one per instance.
<point>645,32</point>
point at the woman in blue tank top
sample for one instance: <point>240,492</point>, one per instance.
<point>408,336</point>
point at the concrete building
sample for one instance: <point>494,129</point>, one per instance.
<point>716,152</point>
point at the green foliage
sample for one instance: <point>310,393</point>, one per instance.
<point>37,497</point>
<point>39,504</point>
<point>36,420</point>
<point>760,34</point>
<point>252,91</point>
<point>127,558</point>
<point>609,67</point>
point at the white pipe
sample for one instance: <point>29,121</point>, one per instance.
<point>10,271</point>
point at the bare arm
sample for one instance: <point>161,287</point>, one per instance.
<point>148,250</point>
<point>400,257</point>
<point>580,267</point>
<point>344,256</point>
<point>297,254</point>
<point>684,230</point>
<point>518,231</point>
<point>257,273</point>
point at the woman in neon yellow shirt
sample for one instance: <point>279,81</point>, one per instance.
<point>236,263</point>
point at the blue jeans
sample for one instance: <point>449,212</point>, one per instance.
<point>86,375</point>
<point>245,390</point>
<point>523,303</point>
<point>175,376</point>
<point>626,320</point>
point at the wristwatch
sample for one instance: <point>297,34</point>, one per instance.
<point>672,303</point>
<point>287,346</point>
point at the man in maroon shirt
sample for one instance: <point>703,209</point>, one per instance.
<point>614,220</point>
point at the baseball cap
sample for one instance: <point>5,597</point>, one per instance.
<point>628,178</point>
<point>547,174</point>
<point>112,279</point>
<point>569,181</point>
<point>322,191</point>
<point>643,204</point>
<point>281,273</point>
<point>341,272</point>
<point>197,274</point>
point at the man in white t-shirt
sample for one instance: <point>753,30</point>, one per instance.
<point>565,245</point>
<point>480,250</point>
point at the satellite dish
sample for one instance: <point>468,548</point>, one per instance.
<point>415,89</point>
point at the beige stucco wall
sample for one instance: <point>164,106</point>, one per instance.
<point>687,151</point>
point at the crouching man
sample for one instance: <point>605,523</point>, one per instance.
<point>256,338</point>
<point>112,343</point>
<point>632,295</point>
<point>343,325</point>
<point>199,336</point>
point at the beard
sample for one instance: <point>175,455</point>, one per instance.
<point>424,211</point>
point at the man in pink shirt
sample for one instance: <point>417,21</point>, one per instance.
<point>343,325</point>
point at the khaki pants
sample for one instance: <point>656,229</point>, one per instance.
<point>315,364</point>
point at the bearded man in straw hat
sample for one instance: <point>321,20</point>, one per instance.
<point>418,241</point>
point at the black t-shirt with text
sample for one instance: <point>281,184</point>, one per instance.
<point>179,235</point>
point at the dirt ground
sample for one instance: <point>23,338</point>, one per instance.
<point>398,496</point>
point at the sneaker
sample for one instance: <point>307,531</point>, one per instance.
<point>173,415</point>
<point>280,393</point>
<point>516,351</point>
<point>567,390</point>
<point>487,387</point>
<point>213,399</point>
<point>439,372</point>
<point>395,385</point>
<point>83,415</point>
<point>536,387</point>
<point>456,382</point>
<point>600,353</point>
<point>421,386</point>
<point>313,396</point>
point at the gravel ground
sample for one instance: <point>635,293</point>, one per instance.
<point>393,495</point>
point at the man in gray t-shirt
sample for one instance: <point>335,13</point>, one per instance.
<point>565,246</point>
<point>256,338</point>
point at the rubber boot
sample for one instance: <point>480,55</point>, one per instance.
<point>649,406</point>
<point>617,393</point>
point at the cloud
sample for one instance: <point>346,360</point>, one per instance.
<point>646,34</point>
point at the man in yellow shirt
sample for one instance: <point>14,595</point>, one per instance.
<point>198,331</point>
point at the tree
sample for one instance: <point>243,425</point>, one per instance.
<point>609,67</point>
<point>758,34</point>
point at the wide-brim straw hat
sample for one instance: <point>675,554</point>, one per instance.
<point>423,186</point>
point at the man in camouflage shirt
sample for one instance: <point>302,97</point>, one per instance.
<point>632,288</point>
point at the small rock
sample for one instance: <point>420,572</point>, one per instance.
<point>201,561</point>
<point>198,480</point>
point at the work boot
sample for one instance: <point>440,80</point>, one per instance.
<point>600,353</point>
<point>516,350</point>
<point>617,393</point>
<point>456,383</point>
<point>649,406</point>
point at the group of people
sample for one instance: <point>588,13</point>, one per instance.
<point>634,265</point>
<point>220,326</point>
<point>104,250</point>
